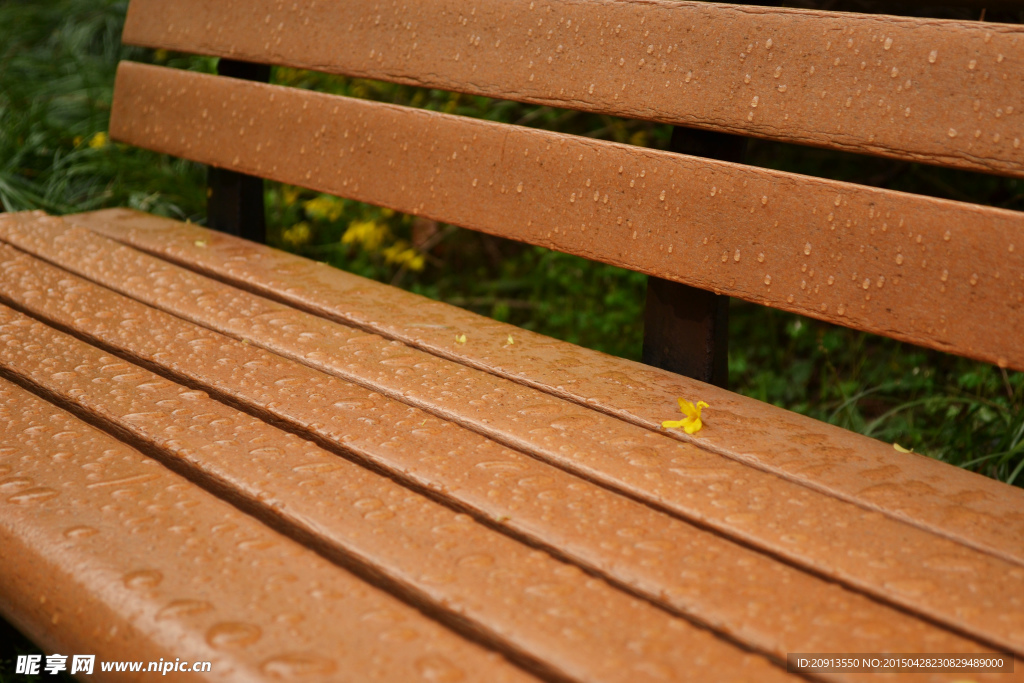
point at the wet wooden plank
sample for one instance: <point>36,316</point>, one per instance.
<point>936,91</point>
<point>941,274</point>
<point>545,614</point>
<point>968,507</point>
<point>834,537</point>
<point>107,552</point>
<point>608,535</point>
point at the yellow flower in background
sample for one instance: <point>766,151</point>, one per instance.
<point>460,339</point>
<point>369,234</point>
<point>401,254</point>
<point>289,195</point>
<point>160,56</point>
<point>99,140</point>
<point>324,208</point>
<point>691,424</point>
<point>297,235</point>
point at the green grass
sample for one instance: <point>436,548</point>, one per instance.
<point>56,74</point>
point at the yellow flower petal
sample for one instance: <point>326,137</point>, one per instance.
<point>691,424</point>
<point>460,339</point>
<point>901,449</point>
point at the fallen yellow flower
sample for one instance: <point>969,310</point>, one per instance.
<point>460,339</point>
<point>691,424</point>
<point>901,449</point>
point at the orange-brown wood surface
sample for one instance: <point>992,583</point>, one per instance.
<point>943,92</point>
<point>547,614</point>
<point>747,596</point>
<point>973,509</point>
<point>106,552</point>
<point>942,274</point>
<point>833,537</point>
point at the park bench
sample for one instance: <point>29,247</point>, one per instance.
<point>216,451</point>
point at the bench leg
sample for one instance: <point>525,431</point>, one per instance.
<point>235,200</point>
<point>686,330</point>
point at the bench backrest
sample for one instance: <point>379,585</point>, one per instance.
<point>942,274</point>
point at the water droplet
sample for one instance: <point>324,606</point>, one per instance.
<point>232,634</point>
<point>972,64</point>
<point>866,283</point>
<point>181,608</point>
<point>519,187</point>
<point>764,200</point>
<point>974,279</point>
<point>888,43</point>
<point>291,665</point>
<point>768,279</point>
<point>33,495</point>
<point>782,88</point>
<point>899,259</point>
<point>713,191</point>
<point>947,236</point>
<point>880,282</point>
<point>760,257</point>
<point>746,78</point>
<point>753,102</point>
<point>736,256</point>
<point>944,276</point>
<point>807,249</point>
<point>660,197</point>
<point>841,310</point>
<point>932,56</point>
<point>143,578</point>
<point>572,198</point>
<point>80,532</point>
<point>831,280</point>
<point>894,73</point>
<point>951,133</point>
<point>768,44</point>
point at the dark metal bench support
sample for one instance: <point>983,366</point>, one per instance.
<point>235,200</point>
<point>686,330</point>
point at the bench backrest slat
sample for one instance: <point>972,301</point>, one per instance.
<point>942,274</point>
<point>936,91</point>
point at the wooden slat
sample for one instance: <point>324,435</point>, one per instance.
<point>936,91</point>
<point>546,614</point>
<point>972,508</point>
<point>937,273</point>
<point>605,533</point>
<point>834,538</point>
<point>106,552</point>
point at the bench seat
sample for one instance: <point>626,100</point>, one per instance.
<point>509,494</point>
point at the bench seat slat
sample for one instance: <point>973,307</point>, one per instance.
<point>937,273</point>
<point>591,526</point>
<point>969,507</point>
<point>519,600</point>
<point>107,552</point>
<point>666,473</point>
<point>907,88</point>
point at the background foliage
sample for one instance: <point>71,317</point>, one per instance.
<point>57,62</point>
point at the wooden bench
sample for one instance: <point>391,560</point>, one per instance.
<point>216,451</point>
